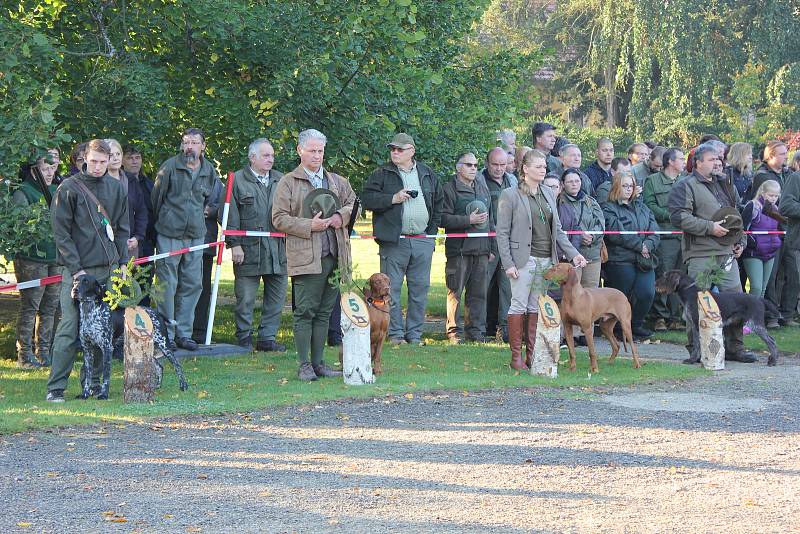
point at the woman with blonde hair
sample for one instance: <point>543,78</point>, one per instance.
<point>137,206</point>
<point>740,167</point>
<point>631,257</point>
<point>528,236</point>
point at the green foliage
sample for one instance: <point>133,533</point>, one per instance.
<point>29,96</point>
<point>669,70</point>
<point>359,71</point>
<point>712,275</point>
<point>21,227</point>
<point>130,285</point>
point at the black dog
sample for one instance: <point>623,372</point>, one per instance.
<point>736,309</point>
<point>99,326</point>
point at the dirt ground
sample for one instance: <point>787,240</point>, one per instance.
<point>718,454</point>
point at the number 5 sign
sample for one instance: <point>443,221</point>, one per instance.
<point>355,309</point>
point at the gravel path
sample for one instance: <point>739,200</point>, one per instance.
<point>719,454</point>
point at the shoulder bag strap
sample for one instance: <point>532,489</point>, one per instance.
<point>93,198</point>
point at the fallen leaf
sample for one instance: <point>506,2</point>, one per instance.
<point>168,516</point>
<point>194,529</point>
<point>202,476</point>
<point>202,394</point>
<point>409,396</point>
<point>283,381</point>
<point>265,494</point>
<point>23,524</point>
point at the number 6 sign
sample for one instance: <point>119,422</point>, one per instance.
<point>547,346</point>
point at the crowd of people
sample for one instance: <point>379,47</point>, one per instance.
<point>543,203</point>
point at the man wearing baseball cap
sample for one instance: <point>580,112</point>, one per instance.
<point>405,198</point>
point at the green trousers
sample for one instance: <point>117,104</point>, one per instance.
<point>37,310</point>
<point>66,343</point>
<point>314,299</point>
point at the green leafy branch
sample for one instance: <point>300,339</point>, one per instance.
<point>343,279</point>
<point>130,289</point>
<point>712,275</point>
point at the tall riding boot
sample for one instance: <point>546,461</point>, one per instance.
<point>530,337</point>
<point>515,341</point>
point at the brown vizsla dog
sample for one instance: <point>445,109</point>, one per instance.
<point>582,307</point>
<point>377,296</point>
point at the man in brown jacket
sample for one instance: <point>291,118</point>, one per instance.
<point>315,248</point>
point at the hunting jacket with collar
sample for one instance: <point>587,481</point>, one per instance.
<point>179,200</point>
<point>251,209</point>
<point>515,229</point>
<point>455,219</point>
<point>692,204</point>
<point>387,218</point>
<point>79,226</point>
<point>304,247</point>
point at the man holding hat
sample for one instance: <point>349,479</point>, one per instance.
<point>313,206</point>
<point>467,207</point>
<point>703,206</point>
<point>405,198</point>
<point>257,258</point>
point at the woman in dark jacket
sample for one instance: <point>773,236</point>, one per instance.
<point>137,209</point>
<point>739,167</point>
<point>580,212</point>
<point>631,259</point>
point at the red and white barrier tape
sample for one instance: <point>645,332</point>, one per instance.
<point>55,279</point>
<point>258,233</point>
<point>255,233</point>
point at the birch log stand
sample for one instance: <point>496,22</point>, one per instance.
<point>547,347</point>
<point>356,359</point>
<point>140,379</point>
<point>712,347</point>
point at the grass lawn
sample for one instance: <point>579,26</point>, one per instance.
<point>264,380</point>
<point>267,380</point>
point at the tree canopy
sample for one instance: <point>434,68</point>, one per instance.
<point>358,70</point>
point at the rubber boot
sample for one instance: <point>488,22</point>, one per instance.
<point>515,341</point>
<point>530,337</point>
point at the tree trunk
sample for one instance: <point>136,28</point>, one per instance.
<point>547,346</point>
<point>611,95</point>
<point>712,346</point>
<point>140,379</point>
<point>356,352</point>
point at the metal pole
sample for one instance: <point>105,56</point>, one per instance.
<point>220,248</point>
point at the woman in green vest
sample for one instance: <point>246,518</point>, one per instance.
<point>38,305</point>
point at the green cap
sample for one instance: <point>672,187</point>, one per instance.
<point>401,140</point>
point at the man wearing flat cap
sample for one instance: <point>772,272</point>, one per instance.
<point>313,206</point>
<point>467,208</point>
<point>405,198</point>
<point>703,206</point>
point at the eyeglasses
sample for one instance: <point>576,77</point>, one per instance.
<point>399,149</point>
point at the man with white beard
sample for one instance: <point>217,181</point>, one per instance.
<point>181,188</point>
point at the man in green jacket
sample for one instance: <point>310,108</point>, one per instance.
<point>257,258</point>
<point>467,207</point>
<point>38,305</point>
<point>92,239</point>
<point>692,204</point>
<point>405,198</point>
<point>666,308</point>
<point>181,187</point>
